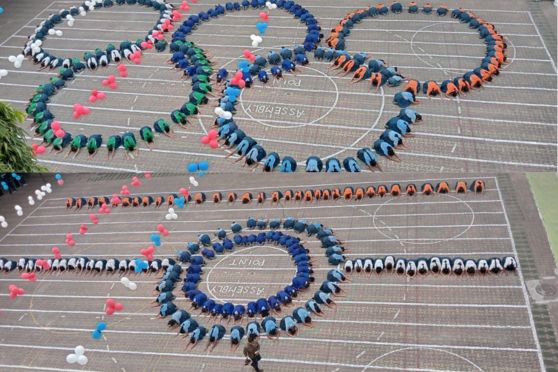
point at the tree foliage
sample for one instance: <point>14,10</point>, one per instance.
<point>15,154</point>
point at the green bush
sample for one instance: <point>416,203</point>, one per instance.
<point>15,154</point>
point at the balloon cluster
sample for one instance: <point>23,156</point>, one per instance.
<point>53,32</point>
<point>193,181</point>
<point>171,215</point>
<point>56,253</point>
<point>83,229</point>
<point>156,239</point>
<point>185,6</point>
<point>162,229</point>
<point>93,218</point>
<point>96,96</point>
<point>110,81</point>
<point>211,138</point>
<point>57,128</point>
<point>112,306</point>
<point>98,331</point>
<point>124,190</point>
<point>70,240</point>
<point>128,284</point>
<point>105,209</point>
<point>135,182</point>
<point>122,70</point>
<point>80,110</point>
<point>256,40</point>
<point>17,60</point>
<point>201,167</point>
<point>78,356</point>
<point>148,252</point>
<point>3,222</point>
<point>270,5</point>
<point>19,210</point>
<point>58,178</point>
<point>15,291</point>
<point>32,277</point>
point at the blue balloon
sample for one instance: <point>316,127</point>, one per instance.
<point>179,202</point>
<point>201,174</point>
<point>203,165</point>
<point>156,239</point>
<point>243,64</point>
<point>192,167</point>
<point>5,186</point>
<point>1,10</point>
<point>58,176</point>
<point>262,27</point>
<point>140,265</point>
<point>96,335</point>
<point>101,326</point>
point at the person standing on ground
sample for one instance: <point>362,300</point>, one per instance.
<point>252,352</point>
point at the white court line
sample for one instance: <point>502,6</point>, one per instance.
<point>244,46</point>
<point>520,274</point>
<point>310,242</point>
<point>222,357</point>
<point>287,37</point>
<point>36,368</point>
<point>284,208</point>
<point>267,230</point>
<point>135,222</point>
<point>542,41</point>
<point>410,285</point>
<point>386,303</point>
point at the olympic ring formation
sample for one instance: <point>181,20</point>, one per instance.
<point>195,64</point>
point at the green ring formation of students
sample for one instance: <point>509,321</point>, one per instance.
<point>99,57</point>
<point>308,195</point>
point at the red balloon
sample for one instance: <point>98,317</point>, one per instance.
<point>59,133</point>
<point>40,150</point>
<point>264,16</point>
<point>55,125</point>
<point>212,134</point>
<point>92,99</point>
<point>109,310</point>
<point>118,306</point>
<point>214,144</point>
<point>242,84</point>
<point>165,232</point>
<point>160,227</point>
<point>60,182</point>
<point>101,95</point>
<point>238,75</point>
<point>56,253</point>
<point>205,140</point>
<point>110,302</point>
<point>183,191</point>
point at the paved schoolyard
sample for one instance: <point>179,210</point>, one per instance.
<point>509,125</point>
<point>384,322</point>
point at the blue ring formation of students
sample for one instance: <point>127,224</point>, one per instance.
<point>308,195</point>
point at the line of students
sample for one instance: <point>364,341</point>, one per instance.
<point>431,265</point>
<point>309,195</point>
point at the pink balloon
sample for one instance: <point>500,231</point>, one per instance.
<point>160,227</point>
<point>184,6</point>
<point>109,310</point>
<point>110,302</point>
<point>147,175</point>
<point>86,110</point>
<point>59,133</point>
<point>111,78</point>
<point>122,67</point>
<point>242,84</point>
<point>214,144</point>
<point>55,125</point>
<point>205,140</point>
<point>69,236</point>
<point>165,232</point>
<point>32,277</point>
<point>71,243</point>
<point>34,147</point>
<point>94,218</point>
<point>264,16</point>
<point>92,99</point>
<point>238,75</point>
<point>212,134</point>
<point>184,191</point>
<point>60,182</point>
<point>118,306</point>
<point>56,252</point>
<point>40,150</point>
<point>101,95</point>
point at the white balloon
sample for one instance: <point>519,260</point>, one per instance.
<point>79,350</point>
<point>18,64</point>
<point>19,213</point>
<point>83,14</point>
<point>40,197</point>
<point>82,360</point>
<point>168,217</point>
<point>4,224</point>
<point>2,218</point>
<point>20,57</point>
<point>175,216</point>
<point>219,111</point>
<point>193,181</point>
<point>48,185</point>
<point>49,190</point>
<point>133,286</point>
<point>227,115</point>
<point>43,187</point>
<point>253,37</point>
<point>3,73</point>
<point>124,280</point>
<point>12,59</point>
<point>17,207</point>
<point>71,358</point>
<point>259,39</point>
<point>255,44</point>
<point>59,33</point>
<point>52,31</point>
<point>31,202</point>
<point>71,23</point>
<point>38,43</point>
<point>171,210</point>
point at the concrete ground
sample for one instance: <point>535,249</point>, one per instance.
<point>387,322</point>
<point>509,125</point>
